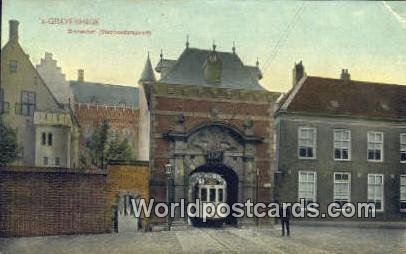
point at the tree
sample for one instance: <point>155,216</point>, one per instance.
<point>9,147</point>
<point>119,149</point>
<point>98,142</point>
<point>103,147</point>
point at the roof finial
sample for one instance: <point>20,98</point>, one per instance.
<point>257,62</point>
<point>233,47</point>
<point>187,41</point>
<point>214,45</point>
<point>161,55</point>
<point>148,54</point>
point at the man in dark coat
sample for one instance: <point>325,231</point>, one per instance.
<point>284,215</point>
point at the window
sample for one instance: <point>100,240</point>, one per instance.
<point>57,161</point>
<point>45,160</point>
<point>307,186</point>
<point>403,193</point>
<point>27,103</point>
<point>4,106</point>
<point>212,194</point>
<point>342,144</point>
<point>50,141</point>
<point>342,188</point>
<point>307,143</point>
<point>43,138</point>
<point>1,99</point>
<point>403,147</point>
<point>221,196</point>
<point>203,194</point>
<point>375,146</point>
<point>13,66</point>
<point>375,191</point>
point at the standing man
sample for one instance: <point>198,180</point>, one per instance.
<point>284,215</point>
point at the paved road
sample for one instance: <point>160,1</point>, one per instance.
<point>304,239</point>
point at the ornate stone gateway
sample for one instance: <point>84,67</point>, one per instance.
<point>216,149</point>
<point>207,108</point>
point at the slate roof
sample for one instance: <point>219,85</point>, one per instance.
<point>327,96</point>
<point>255,71</point>
<point>188,70</point>
<point>148,73</point>
<point>104,94</point>
<point>165,63</point>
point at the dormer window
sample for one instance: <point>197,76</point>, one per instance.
<point>212,68</point>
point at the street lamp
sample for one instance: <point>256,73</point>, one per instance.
<point>257,194</point>
<point>168,172</point>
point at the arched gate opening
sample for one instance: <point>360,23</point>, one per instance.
<point>231,182</point>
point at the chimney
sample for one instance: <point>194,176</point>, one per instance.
<point>298,73</point>
<point>345,75</point>
<point>13,34</point>
<point>81,75</point>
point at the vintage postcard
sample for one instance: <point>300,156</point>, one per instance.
<point>202,126</point>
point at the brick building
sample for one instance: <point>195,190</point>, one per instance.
<point>92,102</point>
<point>118,104</point>
<point>341,140</point>
<point>209,117</point>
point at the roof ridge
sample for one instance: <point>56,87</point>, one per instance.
<point>75,82</point>
<point>359,81</point>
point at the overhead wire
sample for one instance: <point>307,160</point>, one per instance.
<point>283,37</point>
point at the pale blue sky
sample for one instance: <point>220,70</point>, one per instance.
<point>368,38</point>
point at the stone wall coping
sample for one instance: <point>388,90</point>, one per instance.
<point>129,162</point>
<point>25,169</point>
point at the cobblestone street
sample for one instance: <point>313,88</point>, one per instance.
<point>304,239</point>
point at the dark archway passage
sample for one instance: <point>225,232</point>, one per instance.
<point>231,179</point>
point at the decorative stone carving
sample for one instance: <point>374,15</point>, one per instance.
<point>214,114</point>
<point>248,124</point>
<point>180,122</point>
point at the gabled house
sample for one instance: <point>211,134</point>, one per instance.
<point>47,130</point>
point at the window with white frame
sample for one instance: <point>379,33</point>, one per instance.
<point>307,143</point>
<point>403,193</point>
<point>403,147</point>
<point>342,144</point>
<point>375,190</point>
<point>375,146</point>
<point>342,188</point>
<point>307,186</point>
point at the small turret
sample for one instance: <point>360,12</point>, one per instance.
<point>148,73</point>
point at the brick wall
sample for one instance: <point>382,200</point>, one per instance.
<point>39,201</point>
<point>50,201</point>
<point>130,178</point>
